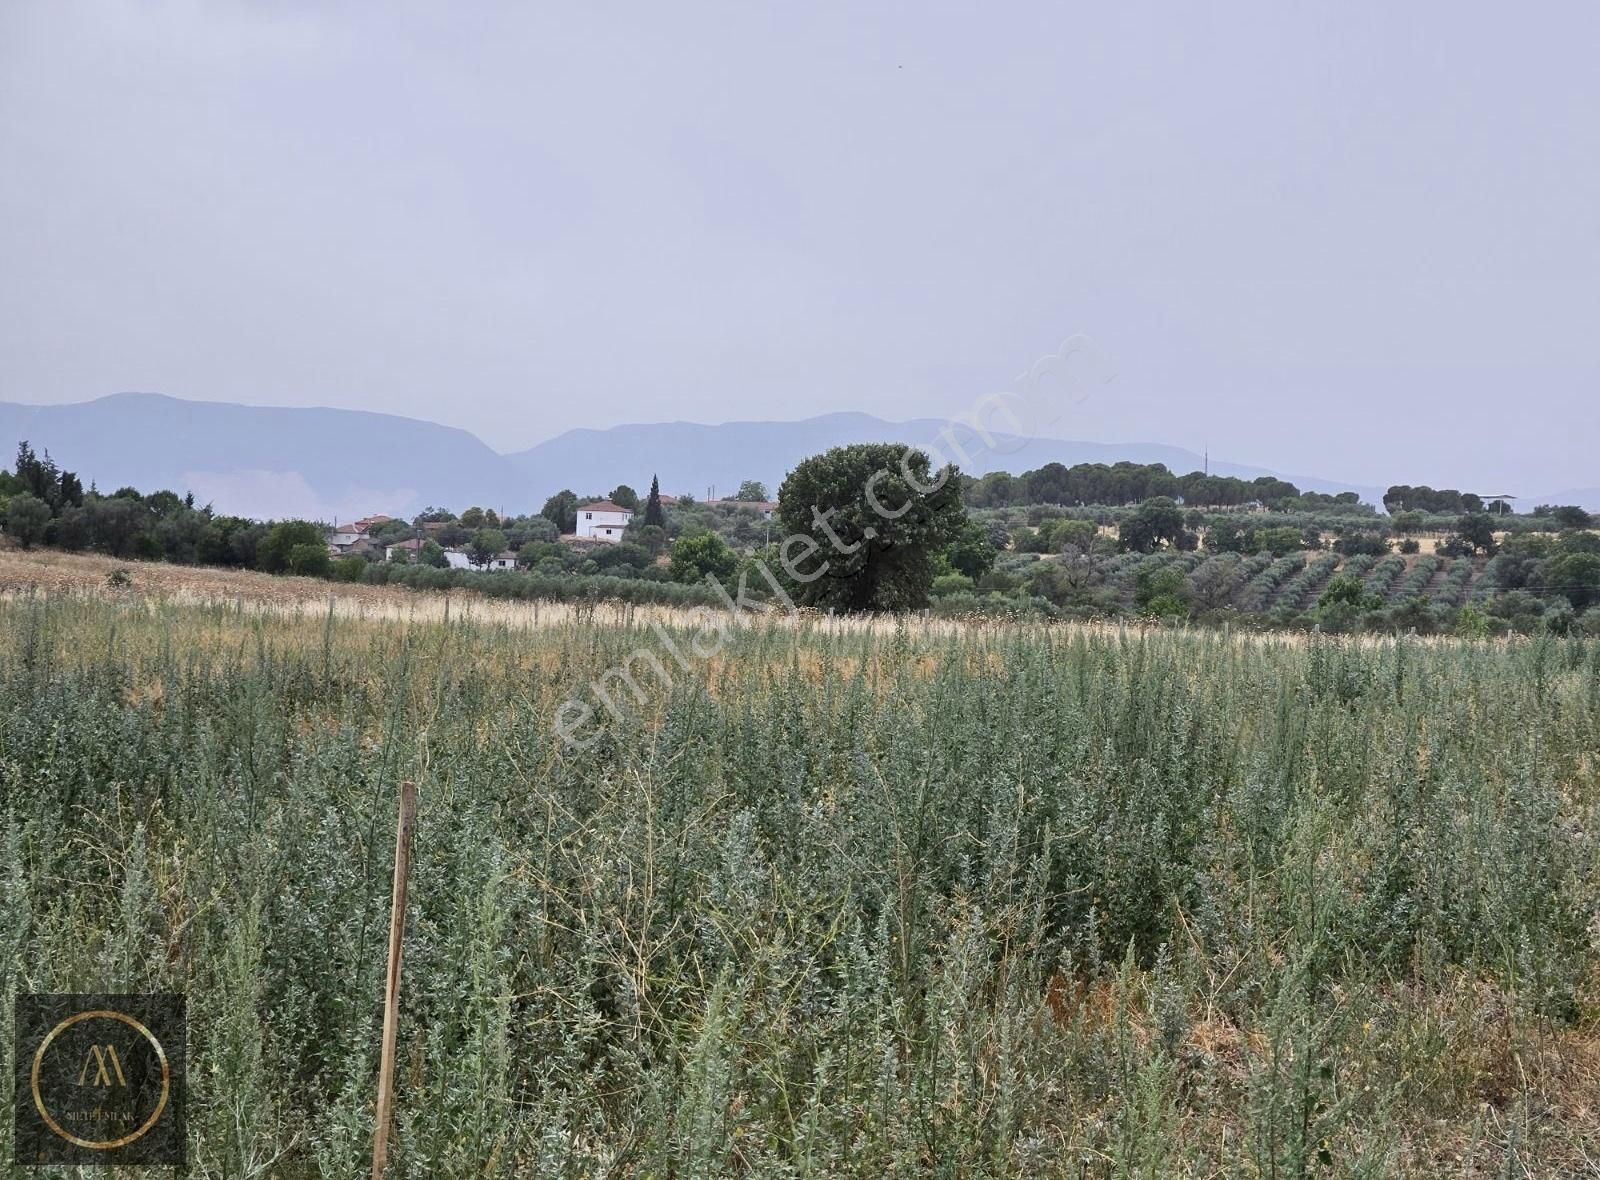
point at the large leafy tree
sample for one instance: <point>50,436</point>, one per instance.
<point>1577,576</point>
<point>309,560</point>
<point>1570,516</point>
<point>625,496</point>
<point>1157,521</point>
<point>287,547</point>
<point>1343,602</point>
<point>704,553</point>
<point>971,553</point>
<point>1476,530</point>
<point>751,490</point>
<point>26,518</point>
<point>561,510</point>
<point>863,524</point>
<point>487,544</point>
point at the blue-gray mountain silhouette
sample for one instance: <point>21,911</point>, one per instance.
<point>328,463</point>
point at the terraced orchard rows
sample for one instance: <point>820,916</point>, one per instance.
<point>841,899</point>
<point>1290,585</point>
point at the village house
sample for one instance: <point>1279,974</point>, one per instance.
<point>602,521</point>
<point>349,544</point>
<point>460,559</point>
<point>409,550</point>
<point>456,559</point>
<point>351,540</point>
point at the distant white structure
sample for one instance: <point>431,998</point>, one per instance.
<point>459,559</point>
<point>603,520</point>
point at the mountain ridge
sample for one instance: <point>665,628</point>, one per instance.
<point>326,462</point>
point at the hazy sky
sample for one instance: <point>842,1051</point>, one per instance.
<point>1361,241</point>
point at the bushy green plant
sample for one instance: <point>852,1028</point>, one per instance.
<point>844,898</point>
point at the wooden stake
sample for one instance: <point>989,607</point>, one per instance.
<point>391,995</point>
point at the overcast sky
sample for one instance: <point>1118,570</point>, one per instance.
<point>1359,241</point>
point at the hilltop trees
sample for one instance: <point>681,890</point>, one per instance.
<point>1401,497</point>
<point>751,490</point>
<point>1131,483</point>
<point>863,524</point>
<point>624,497</point>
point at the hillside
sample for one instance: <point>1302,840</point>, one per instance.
<point>691,457</point>
<point>325,463</point>
<point>262,460</point>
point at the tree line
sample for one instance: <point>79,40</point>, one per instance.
<point>1134,483</point>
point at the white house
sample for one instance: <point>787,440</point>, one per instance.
<point>603,520</point>
<point>459,559</point>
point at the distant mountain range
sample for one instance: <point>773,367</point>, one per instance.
<point>326,464</point>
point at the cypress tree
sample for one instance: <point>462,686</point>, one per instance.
<point>652,506</point>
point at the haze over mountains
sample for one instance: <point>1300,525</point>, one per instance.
<point>328,463</point>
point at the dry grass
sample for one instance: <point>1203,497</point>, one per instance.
<point>50,571</point>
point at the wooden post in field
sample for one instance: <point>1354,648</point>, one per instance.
<point>391,992</point>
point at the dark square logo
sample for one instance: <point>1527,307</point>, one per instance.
<point>100,1079</point>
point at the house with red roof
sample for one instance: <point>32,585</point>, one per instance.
<point>602,521</point>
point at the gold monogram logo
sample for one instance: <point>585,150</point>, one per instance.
<point>102,1067</point>
<point>101,1056</point>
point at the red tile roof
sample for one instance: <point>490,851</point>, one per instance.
<point>603,506</point>
<point>365,524</point>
